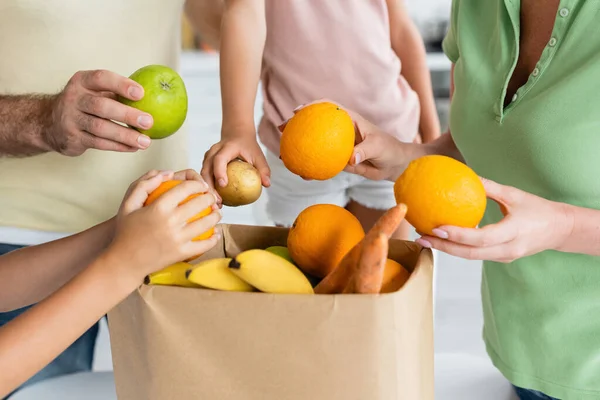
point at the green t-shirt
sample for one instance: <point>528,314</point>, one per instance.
<point>542,312</point>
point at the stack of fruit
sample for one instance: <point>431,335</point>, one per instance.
<point>340,259</point>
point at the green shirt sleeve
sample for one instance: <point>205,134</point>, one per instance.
<point>449,44</point>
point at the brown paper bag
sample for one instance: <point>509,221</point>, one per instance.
<point>172,343</point>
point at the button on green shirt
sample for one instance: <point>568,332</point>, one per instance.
<point>542,312</point>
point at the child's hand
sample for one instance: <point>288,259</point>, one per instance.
<point>155,236</point>
<point>214,167</point>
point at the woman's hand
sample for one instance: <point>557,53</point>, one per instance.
<point>531,224</point>
<point>377,155</point>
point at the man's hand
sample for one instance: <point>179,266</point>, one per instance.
<point>83,115</point>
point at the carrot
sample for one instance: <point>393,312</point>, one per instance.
<point>371,265</point>
<point>389,221</point>
<point>338,279</point>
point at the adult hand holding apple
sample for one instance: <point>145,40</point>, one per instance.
<point>83,115</point>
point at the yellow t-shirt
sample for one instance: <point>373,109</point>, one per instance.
<point>43,43</point>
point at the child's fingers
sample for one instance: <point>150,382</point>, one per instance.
<point>220,162</point>
<point>179,193</point>
<point>197,248</point>
<point>140,190</point>
<point>198,227</point>
<point>259,162</point>
<point>187,175</point>
<point>194,206</point>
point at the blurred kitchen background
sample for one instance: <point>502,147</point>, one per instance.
<point>462,369</point>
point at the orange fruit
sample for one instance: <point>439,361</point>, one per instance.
<point>440,190</point>
<point>168,185</point>
<point>321,236</point>
<point>394,276</point>
<point>317,142</point>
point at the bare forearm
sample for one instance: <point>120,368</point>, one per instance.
<point>410,49</point>
<point>582,230</point>
<point>35,338</point>
<point>242,44</point>
<point>31,274</point>
<point>205,17</point>
<point>24,121</point>
<point>444,145</point>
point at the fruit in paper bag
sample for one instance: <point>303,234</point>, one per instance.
<point>321,236</point>
<point>168,185</point>
<point>368,274</point>
<point>270,273</point>
<point>244,184</point>
<point>215,274</point>
<point>338,279</point>
<point>394,276</point>
<point>281,251</point>
<point>440,190</point>
<point>173,275</point>
<point>165,98</point>
<point>317,142</point>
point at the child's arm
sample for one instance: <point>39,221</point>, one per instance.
<point>32,273</point>
<point>243,35</point>
<point>146,239</point>
<point>408,45</point>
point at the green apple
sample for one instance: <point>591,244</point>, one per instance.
<point>165,98</point>
<point>281,251</point>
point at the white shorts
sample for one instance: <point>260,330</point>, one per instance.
<point>289,194</point>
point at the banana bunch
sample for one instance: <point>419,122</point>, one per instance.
<point>269,271</point>
<point>215,274</point>
<point>173,275</point>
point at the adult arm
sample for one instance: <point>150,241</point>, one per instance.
<point>32,273</point>
<point>409,47</point>
<point>24,120</point>
<point>205,17</point>
<point>378,155</point>
<point>78,118</point>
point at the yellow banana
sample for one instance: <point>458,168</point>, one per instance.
<point>173,275</point>
<point>269,273</point>
<point>215,274</point>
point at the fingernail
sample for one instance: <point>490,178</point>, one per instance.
<point>217,236</point>
<point>136,92</point>
<point>423,243</point>
<point>299,107</point>
<point>267,181</point>
<point>144,141</point>
<point>356,159</point>
<point>440,233</point>
<point>222,182</point>
<point>145,121</point>
<point>166,173</point>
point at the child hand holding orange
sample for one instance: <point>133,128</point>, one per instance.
<point>87,274</point>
